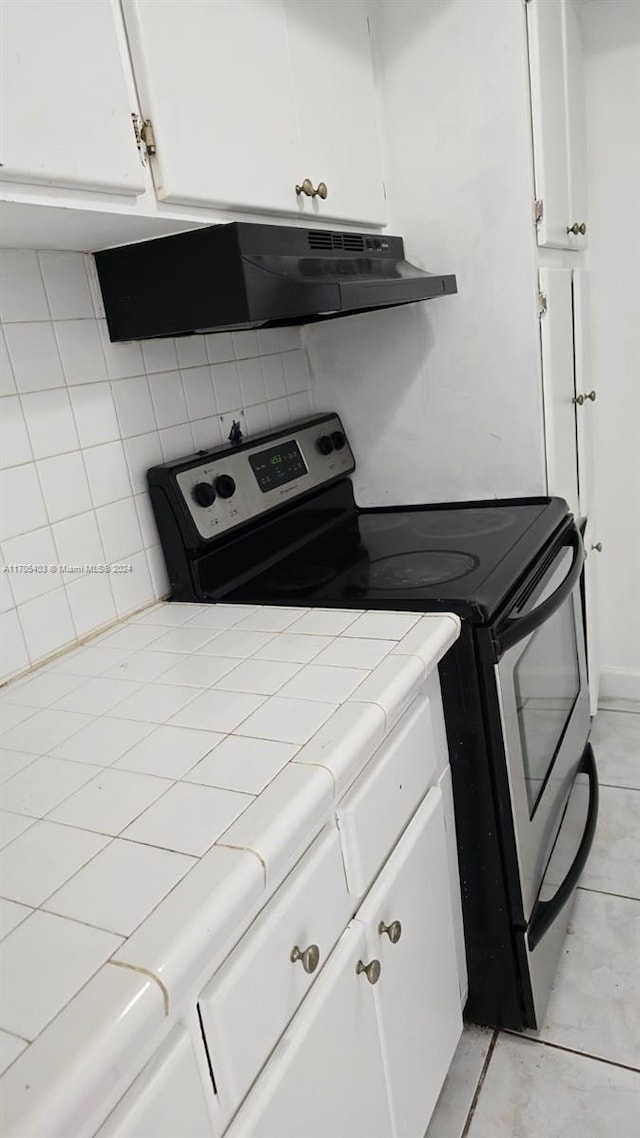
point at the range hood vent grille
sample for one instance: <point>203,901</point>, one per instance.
<point>323,239</point>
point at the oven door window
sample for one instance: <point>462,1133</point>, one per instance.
<point>547,685</point>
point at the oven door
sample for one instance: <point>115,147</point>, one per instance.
<point>543,694</point>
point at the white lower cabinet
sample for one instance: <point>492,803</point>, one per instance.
<point>326,1077</point>
<point>409,929</point>
<point>252,997</point>
<point>167,1098</point>
<point>368,1051</point>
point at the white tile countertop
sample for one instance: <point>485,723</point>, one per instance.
<point>157,784</point>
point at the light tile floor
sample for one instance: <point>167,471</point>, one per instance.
<point>580,1076</point>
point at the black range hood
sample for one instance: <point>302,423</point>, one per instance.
<point>243,275</point>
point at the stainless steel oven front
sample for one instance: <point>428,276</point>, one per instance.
<point>542,686</point>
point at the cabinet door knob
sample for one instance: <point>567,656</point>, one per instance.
<point>597,547</point>
<point>577,229</point>
<point>580,399</point>
<point>591,395</point>
<point>307,189</point>
<point>393,931</point>
<point>309,957</point>
<point>371,970</point>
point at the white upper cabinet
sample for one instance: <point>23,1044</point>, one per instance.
<point>335,99</point>
<point>250,99</point>
<point>215,80</point>
<point>557,107</point>
<point>72,127</point>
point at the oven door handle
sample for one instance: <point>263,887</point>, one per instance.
<point>545,912</point>
<point>515,630</point>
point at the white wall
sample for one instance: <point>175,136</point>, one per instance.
<point>81,420</point>
<point>443,400</point>
<point>611,31</point>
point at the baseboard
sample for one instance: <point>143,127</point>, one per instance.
<point>620,683</point>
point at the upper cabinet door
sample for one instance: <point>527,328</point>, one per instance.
<point>557,108</point>
<point>576,124</point>
<point>215,80</point>
<point>336,102</point>
<point>72,128</point>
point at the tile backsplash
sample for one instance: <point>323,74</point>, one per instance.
<point>81,420</point>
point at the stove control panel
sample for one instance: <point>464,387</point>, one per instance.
<point>227,488</point>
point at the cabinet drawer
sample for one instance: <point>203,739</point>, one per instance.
<point>168,1097</point>
<point>380,802</point>
<point>252,997</point>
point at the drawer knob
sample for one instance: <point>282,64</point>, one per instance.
<point>577,228</point>
<point>371,970</point>
<point>309,957</point>
<point>597,547</point>
<point>393,931</point>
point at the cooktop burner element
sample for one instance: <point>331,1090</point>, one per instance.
<point>420,569</point>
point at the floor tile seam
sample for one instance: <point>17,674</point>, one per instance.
<point>480,1083</point>
<point>571,1051</point>
<point>616,786</point>
<point>622,710</point>
<point>607,893</point>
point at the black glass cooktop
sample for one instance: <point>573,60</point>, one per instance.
<point>464,557</point>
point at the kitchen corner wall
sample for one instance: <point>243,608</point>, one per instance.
<point>81,420</point>
<point>611,30</point>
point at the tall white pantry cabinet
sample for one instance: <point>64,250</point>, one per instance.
<point>562,228</point>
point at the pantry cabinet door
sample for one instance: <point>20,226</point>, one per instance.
<point>545,23</point>
<point>335,97</point>
<point>215,80</point>
<point>66,110</point>
<point>556,340</point>
<point>587,410</point>
<point>593,552</point>
<point>326,1075</point>
<point>558,120</point>
<point>576,125</point>
<point>409,928</point>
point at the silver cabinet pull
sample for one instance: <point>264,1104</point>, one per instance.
<point>371,970</point>
<point>307,189</point>
<point>577,229</point>
<point>308,957</point>
<point>393,931</point>
<point>580,399</point>
<point>597,547</point>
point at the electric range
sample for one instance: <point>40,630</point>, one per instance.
<point>274,521</point>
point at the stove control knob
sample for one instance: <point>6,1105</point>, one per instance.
<point>338,439</point>
<point>324,444</point>
<point>204,494</point>
<point>225,486</point>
